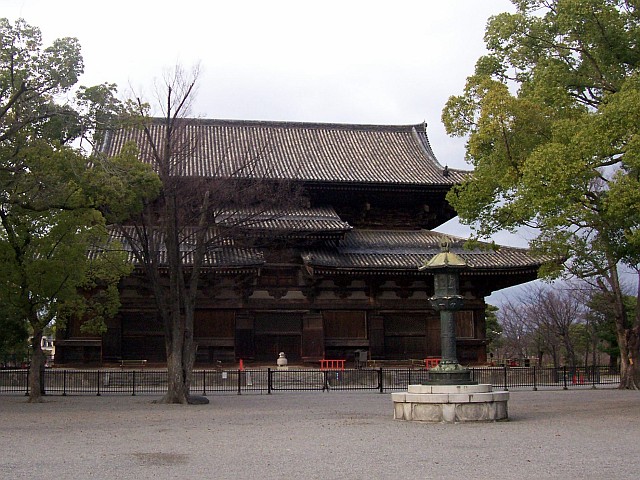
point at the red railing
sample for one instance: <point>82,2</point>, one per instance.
<point>431,362</point>
<point>332,364</point>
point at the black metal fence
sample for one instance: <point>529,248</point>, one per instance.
<point>267,381</point>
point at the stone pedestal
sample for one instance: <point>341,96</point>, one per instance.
<point>450,373</point>
<point>450,404</point>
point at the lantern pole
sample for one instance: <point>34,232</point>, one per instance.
<point>446,267</point>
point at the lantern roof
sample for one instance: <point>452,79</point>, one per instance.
<point>444,259</point>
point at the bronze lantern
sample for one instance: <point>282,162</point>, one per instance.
<point>446,267</point>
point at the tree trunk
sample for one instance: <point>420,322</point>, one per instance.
<point>36,369</point>
<point>628,339</point>
<point>180,360</point>
<point>554,356</point>
<point>570,353</point>
<point>185,294</point>
<point>177,391</point>
<point>188,350</point>
<point>629,357</point>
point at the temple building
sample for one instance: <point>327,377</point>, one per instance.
<point>345,278</point>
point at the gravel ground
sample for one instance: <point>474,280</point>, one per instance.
<point>586,434</point>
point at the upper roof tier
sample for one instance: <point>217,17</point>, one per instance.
<point>308,152</point>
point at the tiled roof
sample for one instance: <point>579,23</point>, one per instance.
<point>302,220</point>
<point>311,152</point>
<point>224,255</point>
<point>371,250</point>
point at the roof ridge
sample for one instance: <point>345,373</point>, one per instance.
<point>300,124</point>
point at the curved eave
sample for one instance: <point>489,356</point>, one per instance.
<point>224,270</point>
<point>475,272</point>
<point>331,234</point>
<point>350,185</point>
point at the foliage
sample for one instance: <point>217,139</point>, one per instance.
<point>55,260</point>
<point>601,313</point>
<point>13,340</point>
<point>493,328</point>
<point>553,134</point>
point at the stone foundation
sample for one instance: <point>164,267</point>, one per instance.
<point>450,404</point>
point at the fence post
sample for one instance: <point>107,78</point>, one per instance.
<point>204,382</point>
<point>26,386</point>
<point>239,382</point>
<point>269,380</point>
<point>593,376</point>
<point>133,390</point>
<point>381,380</point>
<point>535,383</point>
<point>506,387</point>
<point>564,376</point>
<point>98,379</point>
<point>64,383</point>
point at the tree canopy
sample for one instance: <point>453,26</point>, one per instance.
<point>552,125</point>
<point>55,259</point>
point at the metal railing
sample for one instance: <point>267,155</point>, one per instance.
<point>267,381</point>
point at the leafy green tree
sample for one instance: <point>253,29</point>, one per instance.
<point>55,259</point>
<point>13,340</point>
<point>602,316</point>
<point>552,124</point>
<point>493,329</point>
<point>47,230</point>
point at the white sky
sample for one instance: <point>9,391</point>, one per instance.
<point>343,61</point>
<point>337,61</point>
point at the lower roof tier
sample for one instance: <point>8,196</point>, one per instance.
<point>393,250</point>
<point>365,251</point>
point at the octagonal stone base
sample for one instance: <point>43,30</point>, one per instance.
<point>450,404</point>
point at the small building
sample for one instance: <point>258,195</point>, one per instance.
<point>346,279</point>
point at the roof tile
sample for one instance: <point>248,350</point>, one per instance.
<point>311,152</point>
<point>407,250</point>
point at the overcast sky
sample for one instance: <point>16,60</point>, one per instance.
<point>337,61</point>
<point>343,61</point>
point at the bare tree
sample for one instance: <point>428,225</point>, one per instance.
<point>177,235</point>
<point>516,331</point>
<point>548,320</point>
<point>559,311</point>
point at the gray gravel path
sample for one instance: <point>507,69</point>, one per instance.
<point>586,434</point>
